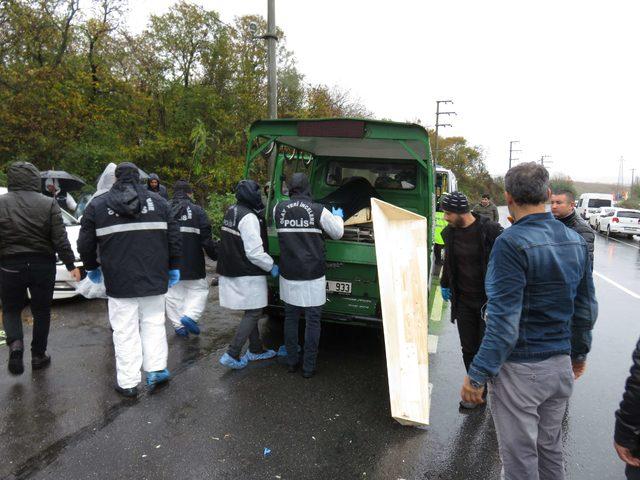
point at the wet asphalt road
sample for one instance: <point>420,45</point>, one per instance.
<point>68,423</point>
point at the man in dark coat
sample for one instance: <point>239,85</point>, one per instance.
<point>627,432</point>
<point>31,234</point>
<point>486,208</point>
<point>140,249</point>
<point>187,299</point>
<point>563,205</point>
<point>154,185</point>
<point>468,240</point>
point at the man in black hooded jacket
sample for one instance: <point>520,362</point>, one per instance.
<point>140,250</point>
<point>154,185</point>
<point>301,223</point>
<point>627,431</point>
<point>187,299</point>
<point>31,234</point>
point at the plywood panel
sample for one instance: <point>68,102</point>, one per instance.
<point>403,276</point>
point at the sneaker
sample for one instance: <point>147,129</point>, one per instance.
<point>182,332</point>
<point>127,392</point>
<point>40,361</point>
<point>232,363</point>
<point>16,366</point>
<point>468,405</point>
<point>190,325</point>
<point>158,377</point>
<point>264,355</point>
<point>293,368</point>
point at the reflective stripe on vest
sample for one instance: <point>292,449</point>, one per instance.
<point>230,230</point>
<point>190,230</point>
<point>130,227</point>
<point>299,230</point>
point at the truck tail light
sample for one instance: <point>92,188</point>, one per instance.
<point>615,219</point>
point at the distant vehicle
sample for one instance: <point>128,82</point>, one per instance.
<point>445,182</point>
<point>594,219</point>
<point>620,221</point>
<point>65,286</point>
<point>589,202</point>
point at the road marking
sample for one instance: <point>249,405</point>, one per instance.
<point>616,284</point>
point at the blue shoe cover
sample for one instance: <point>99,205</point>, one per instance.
<point>182,332</point>
<point>156,378</point>
<point>230,362</point>
<point>252,357</point>
<point>282,351</point>
<point>190,325</point>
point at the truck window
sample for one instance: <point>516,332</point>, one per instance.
<point>390,176</point>
<point>598,203</point>
<point>442,184</point>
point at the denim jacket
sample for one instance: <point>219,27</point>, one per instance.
<point>541,297</point>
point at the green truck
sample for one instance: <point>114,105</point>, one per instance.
<point>395,159</point>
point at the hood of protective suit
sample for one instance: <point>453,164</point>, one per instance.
<point>299,186</point>
<point>107,179</point>
<point>54,182</point>
<point>248,195</point>
<point>23,176</point>
<point>127,196</point>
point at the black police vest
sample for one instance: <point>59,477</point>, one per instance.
<point>232,261</point>
<point>302,253</point>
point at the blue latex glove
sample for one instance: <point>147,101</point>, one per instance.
<point>174,277</point>
<point>338,212</point>
<point>446,293</point>
<point>95,275</point>
<point>275,271</point>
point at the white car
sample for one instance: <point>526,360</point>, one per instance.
<point>620,221</point>
<point>65,286</point>
<point>594,219</point>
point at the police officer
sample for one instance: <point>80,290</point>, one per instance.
<point>139,247</point>
<point>300,223</point>
<point>243,265</point>
<point>187,299</point>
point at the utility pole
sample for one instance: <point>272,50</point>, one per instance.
<point>620,185</point>
<point>512,151</point>
<point>633,176</point>
<point>438,124</point>
<point>272,79</point>
<point>542,159</point>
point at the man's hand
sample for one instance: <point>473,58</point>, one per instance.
<point>75,273</point>
<point>626,456</point>
<point>471,394</point>
<point>446,293</point>
<point>578,369</point>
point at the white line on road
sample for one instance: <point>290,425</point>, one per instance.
<point>616,284</point>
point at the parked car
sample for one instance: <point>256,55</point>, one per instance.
<point>594,218</point>
<point>590,202</point>
<point>620,221</point>
<point>65,286</point>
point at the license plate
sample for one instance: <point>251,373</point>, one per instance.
<point>338,287</point>
<point>631,228</point>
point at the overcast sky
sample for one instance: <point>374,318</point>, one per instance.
<point>560,76</point>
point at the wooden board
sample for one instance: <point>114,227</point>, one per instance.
<point>403,276</point>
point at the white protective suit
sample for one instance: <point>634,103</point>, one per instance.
<point>311,293</point>
<point>187,298</point>
<point>138,334</point>
<point>249,292</point>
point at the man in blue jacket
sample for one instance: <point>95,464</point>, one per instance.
<point>540,312</point>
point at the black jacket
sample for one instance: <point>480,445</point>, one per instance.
<point>161,190</point>
<point>138,239</point>
<point>627,431</point>
<point>574,222</point>
<point>489,231</point>
<point>195,230</point>
<point>31,223</point>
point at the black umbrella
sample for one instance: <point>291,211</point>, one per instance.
<point>66,181</point>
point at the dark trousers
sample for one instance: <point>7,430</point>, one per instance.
<point>248,329</point>
<point>470,328</point>
<point>633,473</point>
<point>39,278</point>
<point>312,317</point>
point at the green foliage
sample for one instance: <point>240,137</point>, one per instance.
<point>216,208</point>
<point>3,179</point>
<point>561,182</point>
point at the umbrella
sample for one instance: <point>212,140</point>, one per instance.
<point>66,181</point>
